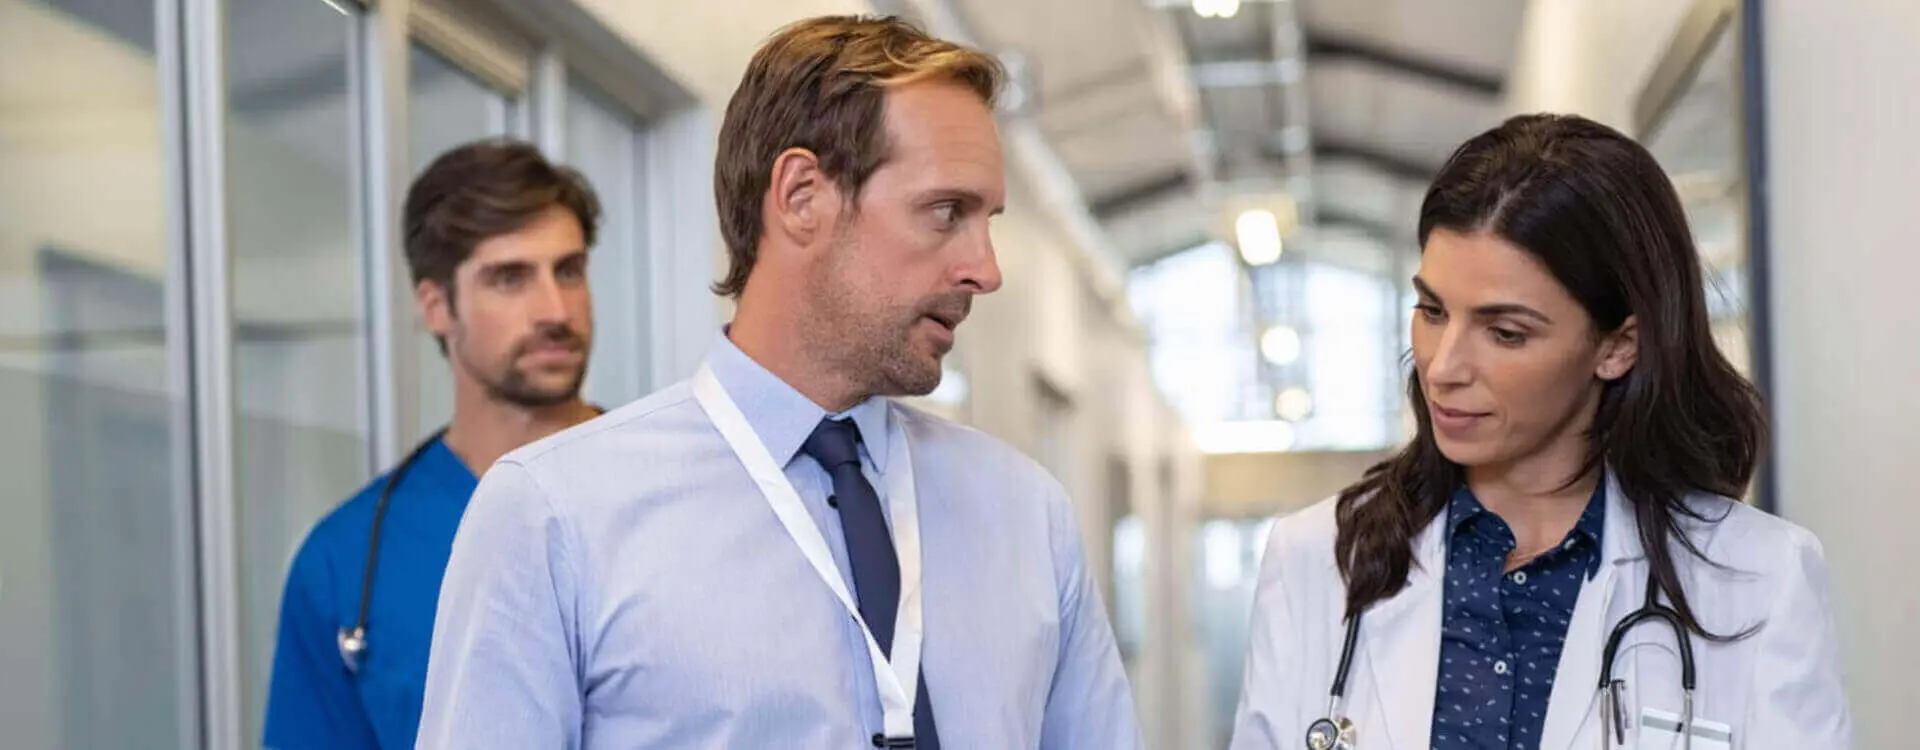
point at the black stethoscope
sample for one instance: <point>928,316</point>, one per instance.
<point>353,641</point>
<point>1336,732</point>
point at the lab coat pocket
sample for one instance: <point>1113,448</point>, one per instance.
<point>1663,730</point>
<point>1656,697</point>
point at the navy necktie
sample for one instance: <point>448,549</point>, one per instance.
<point>876,569</point>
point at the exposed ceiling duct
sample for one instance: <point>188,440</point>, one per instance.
<point>1168,121</point>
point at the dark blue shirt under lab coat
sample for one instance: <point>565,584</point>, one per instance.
<point>315,702</point>
<point>1503,632</point>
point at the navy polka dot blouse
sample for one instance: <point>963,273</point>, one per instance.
<point>1502,632</point>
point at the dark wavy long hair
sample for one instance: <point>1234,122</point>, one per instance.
<point>1596,209</point>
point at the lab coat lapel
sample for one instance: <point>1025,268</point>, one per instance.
<point>1401,638</point>
<point>1602,602</point>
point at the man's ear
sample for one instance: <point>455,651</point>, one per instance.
<point>1619,351</point>
<point>801,202</point>
<point>435,306</point>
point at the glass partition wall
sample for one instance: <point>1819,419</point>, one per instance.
<point>96,609</point>
<point>1699,115</point>
<point>192,200</point>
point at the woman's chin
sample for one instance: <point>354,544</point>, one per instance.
<point>1466,453</point>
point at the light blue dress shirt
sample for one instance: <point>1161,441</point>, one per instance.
<point>624,584</point>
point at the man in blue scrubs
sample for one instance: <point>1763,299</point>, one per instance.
<point>496,240</point>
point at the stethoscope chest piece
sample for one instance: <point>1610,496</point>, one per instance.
<point>353,643</point>
<point>1331,734</point>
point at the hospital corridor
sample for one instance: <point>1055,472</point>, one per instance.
<point>996,374</point>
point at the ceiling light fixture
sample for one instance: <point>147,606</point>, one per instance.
<point>1293,404</point>
<point>1280,345</point>
<point>1216,8</point>
<point>1258,232</point>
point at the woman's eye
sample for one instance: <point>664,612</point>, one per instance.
<point>1508,337</point>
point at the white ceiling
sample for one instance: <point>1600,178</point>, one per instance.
<point>1096,101</point>
<point>1477,35</point>
<point>705,46</point>
<point>1112,92</point>
<point>1390,88</point>
<point>1393,113</point>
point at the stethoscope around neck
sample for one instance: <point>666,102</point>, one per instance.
<point>353,640</point>
<point>1334,731</point>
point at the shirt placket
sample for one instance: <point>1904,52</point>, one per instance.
<point>1498,541</point>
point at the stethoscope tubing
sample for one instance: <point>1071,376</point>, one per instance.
<point>353,641</point>
<point>1652,609</point>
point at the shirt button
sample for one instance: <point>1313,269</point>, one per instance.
<point>1500,667</point>
<point>1520,576</point>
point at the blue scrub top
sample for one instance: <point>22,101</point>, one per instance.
<point>314,701</point>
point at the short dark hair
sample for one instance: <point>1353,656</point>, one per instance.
<point>482,190</point>
<point>820,84</point>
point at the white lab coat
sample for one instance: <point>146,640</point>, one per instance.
<point>1778,688</point>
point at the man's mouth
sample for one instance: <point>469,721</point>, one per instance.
<point>945,320</point>
<point>552,349</point>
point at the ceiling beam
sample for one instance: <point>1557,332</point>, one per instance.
<point>1245,73</point>
<point>1163,42</point>
<point>1077,108</point>
<point>1159,254</point>
<point>1394,165</point>
<point>1157,187</point>
<point>1322,47</point>
<point>1379,230</point>
<point>1122,76</point>
<point>1142,193</point>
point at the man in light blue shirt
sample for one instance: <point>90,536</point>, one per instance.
<point>635,583</point>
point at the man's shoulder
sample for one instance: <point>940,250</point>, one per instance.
<point>957,441</point>
<point>659,445</point>
<point>343,534</point>
<point>665,413</point>
<point>997,482</point>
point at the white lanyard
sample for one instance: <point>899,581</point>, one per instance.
<point>896,684</point>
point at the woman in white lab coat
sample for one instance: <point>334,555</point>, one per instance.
<point>1579,437</point>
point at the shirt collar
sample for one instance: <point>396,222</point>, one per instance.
<point>1591,526</point>
<point>438,467</point>
<point>1462,508</point>
<point>1593,521</point>
<point>783,417</point>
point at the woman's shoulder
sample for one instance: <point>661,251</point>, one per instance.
<point>1742,537</point>
<point>1303,539</point>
